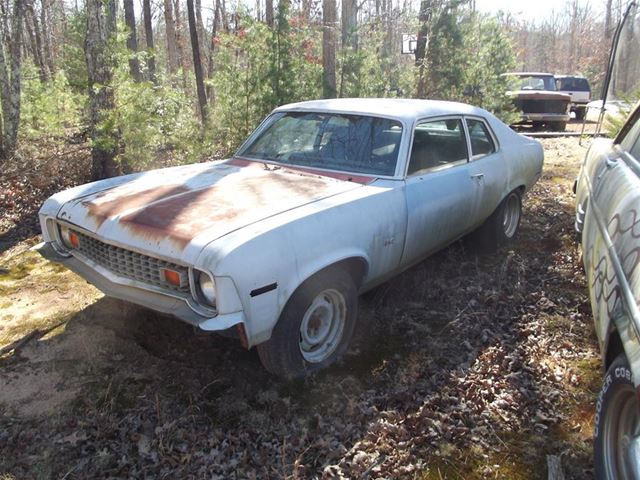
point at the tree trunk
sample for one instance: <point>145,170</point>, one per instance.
<point>11,79</point>
<point>306,11</point>
<point>132,40</point>
<point>170,26</point>
<point>212,47</point>
<point>101,29</point>
<point>268,12</point>
<point>180,36</point>
<point>200,27</point>
<point>329,49</point>
<point>197,63</point>
<point>45,19</point>
<point>608,28</point>
<point>148,34</point>
<point>424,17</point>
<point>350,24</point>
<point>33,27</point>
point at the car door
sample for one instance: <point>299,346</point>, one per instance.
<point>438,188</point>
<point>487,169</point>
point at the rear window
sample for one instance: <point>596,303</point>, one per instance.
<point>573,84</point>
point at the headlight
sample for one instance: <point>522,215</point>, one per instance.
<point>69,239</point>
<point>207,288</point>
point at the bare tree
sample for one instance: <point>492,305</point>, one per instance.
<point>212,47</point>
<point>132,40</point>
<point>101,28</point>
<point>200,26</point>
<point>329,89</point>
<point>349,24</point>
<point>180,39</point>
<point>170,27</point>
<point>45,20</point>
<point>148,34</point>
<point>10,76</point>
<point>197,63</point>
<point>268,12</point>
<point>33,29</point>
<point>424,17</point>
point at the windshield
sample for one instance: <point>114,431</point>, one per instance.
<point>350,143</point>
<point>536,83</point>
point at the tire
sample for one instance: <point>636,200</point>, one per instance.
<point>558,126</point>
<point>502,226</point>
<point>580,113</point>
<point>315,327</point>
<point>617,421</point>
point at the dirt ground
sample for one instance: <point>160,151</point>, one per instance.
<point>472,367</point>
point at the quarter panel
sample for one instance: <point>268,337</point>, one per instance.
<point>367,223</point>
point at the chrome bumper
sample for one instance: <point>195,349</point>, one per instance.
<point>155,301</point>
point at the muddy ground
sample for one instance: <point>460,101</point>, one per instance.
<point>472,367</point>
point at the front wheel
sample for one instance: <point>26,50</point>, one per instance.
<point>617,425</point>
<point>315,327</point>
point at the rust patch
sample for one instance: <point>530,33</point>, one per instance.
<point>345,177</point>
<point>115,202</point>
<point>223,207</point>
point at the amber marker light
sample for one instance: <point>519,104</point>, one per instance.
<point>74,240</point>
<point>171,276</point>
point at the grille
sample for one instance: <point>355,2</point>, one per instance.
<point>542,106</point>
<point>133,265</point>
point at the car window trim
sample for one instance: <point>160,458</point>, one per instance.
<point>496,145</point>
<point>441,167</point>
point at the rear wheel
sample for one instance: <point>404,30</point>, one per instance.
<point>580,113</point>
<point>315,327</point>
<point>501,227</point>
<point>558,126</point>
<point>617,429</point>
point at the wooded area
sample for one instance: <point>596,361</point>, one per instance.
<point>184,82</point>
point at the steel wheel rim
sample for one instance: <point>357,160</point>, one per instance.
<point>621,425</point>
<point>322,326</point>
<point>511,217</point>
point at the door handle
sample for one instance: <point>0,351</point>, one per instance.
<point>478,176</point>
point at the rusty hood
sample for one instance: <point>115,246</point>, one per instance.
<point>165,211</point>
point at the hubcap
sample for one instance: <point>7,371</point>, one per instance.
<point>511,215</point>
<point>621,429</point>
<point>322,326</point>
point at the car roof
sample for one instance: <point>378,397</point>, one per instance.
<point>570,76</point>
<point>400,108</point>
<point>529,74</point>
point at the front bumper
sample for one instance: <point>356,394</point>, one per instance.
<point>546,117</point>
<point>178,307</point>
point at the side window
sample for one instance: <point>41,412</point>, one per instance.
<point>629,140</point>
<point>437,144</point>
<point>635,150</point>
<point>481,141</point>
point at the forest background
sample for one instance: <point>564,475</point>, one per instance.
<point>161,82</point>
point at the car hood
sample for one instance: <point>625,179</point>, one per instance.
<point>166,211</point>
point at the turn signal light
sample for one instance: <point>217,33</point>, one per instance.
<point>172,277</point>
<point>74,240</point>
